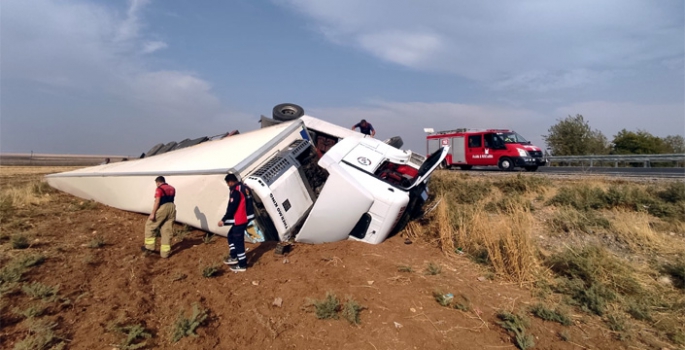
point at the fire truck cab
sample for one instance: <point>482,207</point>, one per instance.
<point>488,147</point>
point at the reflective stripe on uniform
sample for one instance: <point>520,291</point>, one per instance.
<point>150,241</point>
<point>165,248</point>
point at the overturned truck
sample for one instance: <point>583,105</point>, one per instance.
<point>313,181</point>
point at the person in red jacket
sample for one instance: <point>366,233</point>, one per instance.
<point>238,213</point>
<point>161,218</point>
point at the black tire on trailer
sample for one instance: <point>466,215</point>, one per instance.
<point>395,141</point>
<point>154,150</point>
<point>287,112</point>
<point>505,163</point>
<point>532,168</point>
<point>443,165</point>
<point>466,167</point>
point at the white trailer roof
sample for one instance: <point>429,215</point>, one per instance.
<point>231,154</point>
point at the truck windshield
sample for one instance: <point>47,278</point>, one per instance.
<point>512,137</point>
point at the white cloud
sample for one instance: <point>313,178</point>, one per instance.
<point>130,27</point>
<point>401,47</point>
<point>104,96</point>
<point>152,46</point>
<point>532,44</point>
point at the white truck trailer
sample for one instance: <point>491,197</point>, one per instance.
<point>313,181</point>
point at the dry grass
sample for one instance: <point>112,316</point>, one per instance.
<point>504,241</point>
<point>445,231</point>
<point>615,243</point>
<point>634,229</point>
<point>32,193</point>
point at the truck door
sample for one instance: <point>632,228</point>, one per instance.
<point>430,164</point>
<point>476,150</point>
<point>458,151</point>
<point>494,149</point>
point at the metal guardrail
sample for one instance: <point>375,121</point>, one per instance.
<point>646,159</point>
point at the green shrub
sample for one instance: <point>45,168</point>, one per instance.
<point>31,260</point>
<point>210,271</point>
<point>442,298</point>
<point>182,231</point>
<point>516,324</point>
<point>548,314</point>
<point>677,272</point>
<point>37,290</point>
<point>11,273</point>
<point>184,327</point>
<point>41,335</point>
<point>592,278</point>
<point>567,219</point>
<point>20,241</point>
<point>41,188</point>
<point>594,265</point>
<point>433,269</point>
<point>97,242</point>
<point>136,336</point>
<point>404,268</point>
<point>521,184</point>
<point>31,311</point>
<point>351,310</point>
<point>581,197</point>
<point>328,307</point>
<point>616,322</point>
<point>639,309</point>
<point>460,190</point>
<point>673,193</point>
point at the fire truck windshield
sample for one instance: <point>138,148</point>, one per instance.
<point>512,137</point>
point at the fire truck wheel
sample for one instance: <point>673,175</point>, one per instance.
<point>443,165</point>
<point>505,164</point>
<point>287,112</point>
<point>466,167</point>
<point>532,168</point>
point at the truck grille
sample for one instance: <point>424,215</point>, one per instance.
<point>270,171</point>
<point>298,147</point>
<point>535,154</point>
<point>274,167</point>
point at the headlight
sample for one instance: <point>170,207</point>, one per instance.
<point>522,152</point>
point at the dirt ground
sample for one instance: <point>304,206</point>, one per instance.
<point>118,283</point>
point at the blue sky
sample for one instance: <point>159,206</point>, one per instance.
<point>117,77</point>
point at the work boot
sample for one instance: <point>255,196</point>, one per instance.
<point>236,268</point>
<point>146,251</point>
<point>231,261</point>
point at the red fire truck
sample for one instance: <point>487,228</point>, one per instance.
<point>471,147</point>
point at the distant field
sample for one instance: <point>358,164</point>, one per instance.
<point>35,159</point>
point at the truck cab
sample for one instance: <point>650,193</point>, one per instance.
<point>349,187</point>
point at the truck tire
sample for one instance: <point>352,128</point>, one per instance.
<point>154,150</point>
<point>532,168</point>
<point>443,165</point>
<point>395,141</point>
<point>505,163</point>
<point>287,112</point>
<point>466,167</point>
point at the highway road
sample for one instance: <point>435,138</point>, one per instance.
<point>589,171</point>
